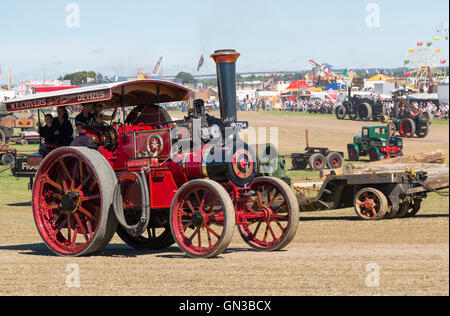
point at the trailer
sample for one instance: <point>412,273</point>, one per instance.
<point>374,196</point>
<point>318,158</point>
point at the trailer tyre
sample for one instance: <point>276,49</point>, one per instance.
<point>409,209</point>
<point>370,204</point>
<point>8,159</point>
<point>334,160</point>
<point>317,161</point>
<point>340,112</point>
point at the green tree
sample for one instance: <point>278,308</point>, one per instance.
<point>80,77</point>
<point>185,77</point>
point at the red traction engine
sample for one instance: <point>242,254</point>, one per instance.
<point>156,181</point>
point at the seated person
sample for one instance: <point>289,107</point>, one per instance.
<point>100,117</point>
<point>85,118</point>
<point>82,120</point>
<point>47,132</point>
<point>63,127</point>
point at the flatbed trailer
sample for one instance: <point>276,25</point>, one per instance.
<point>374,196</point>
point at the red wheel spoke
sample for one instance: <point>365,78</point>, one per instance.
<point>279,225</point>
<point>74,174</point>
<point>212,231</point>
<point>67,173</point>
<point>257,229</point>
<point>194,234</point>
<point>202,203</point>
<point>199,238</point>
<point>190,206</point>
<point>69,228</point>
<point>374,212</point>
<point>51,207</point>
<point>209,238</point>
<point>52,183</point>
<point>80,225</point>
<point>266,232</point>
<point>87,213</point>
<point>271,231</point>
<point>91,197</point>
<point>185,226</point>
<point>272,200</point>
<point>259,199</point>
<point>88,178</point>
<point>279,216</point>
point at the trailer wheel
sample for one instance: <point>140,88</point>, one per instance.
<point>392,212</point>
<point>8,159</point>
<point>202,218</point>
<point>334,160</point>
<point>317,161</point>
<point>72,201</point>
<point>340,112</point>
<point>407,128</point>
<point>364,111</point>
<point>409,209</point>
<point>370,204</point>
<point>275,202</point>
<point>298,163</point>
<point>353,155</point>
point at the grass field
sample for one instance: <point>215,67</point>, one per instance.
<point>333,253</point>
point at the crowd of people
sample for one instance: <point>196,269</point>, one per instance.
<point>440,111</point>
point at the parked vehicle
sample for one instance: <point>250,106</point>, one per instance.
<point>375,142</point>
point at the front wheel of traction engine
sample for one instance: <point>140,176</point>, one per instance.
<point>202,218</point>
<point>72,201</point>
<point>272,215</point>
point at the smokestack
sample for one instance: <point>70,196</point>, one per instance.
<point>226,80</point>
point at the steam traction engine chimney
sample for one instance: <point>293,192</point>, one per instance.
<point>226,80</point>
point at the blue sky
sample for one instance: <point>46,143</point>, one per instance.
<point>119,36</point>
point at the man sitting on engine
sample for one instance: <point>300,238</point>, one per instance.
<point>85,119</point>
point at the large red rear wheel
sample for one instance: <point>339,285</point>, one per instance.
<point>407,128</point>
<point>202,218</point>
<point>272,215</point>
<point>72,197</point>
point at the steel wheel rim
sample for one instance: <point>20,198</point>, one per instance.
<point>67,232</point>
<point>368,205</point>
<point>266,229</point>
<point>196,210</point>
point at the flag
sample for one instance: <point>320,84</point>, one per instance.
<point>200,62</point>
<point>157,65</point>
<point>377,71</point>
<point>367,71</point>
<point>345,72</point>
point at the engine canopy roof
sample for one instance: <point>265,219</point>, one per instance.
<point>136,92</point>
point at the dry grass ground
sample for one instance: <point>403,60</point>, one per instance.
<point>328,256</point>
